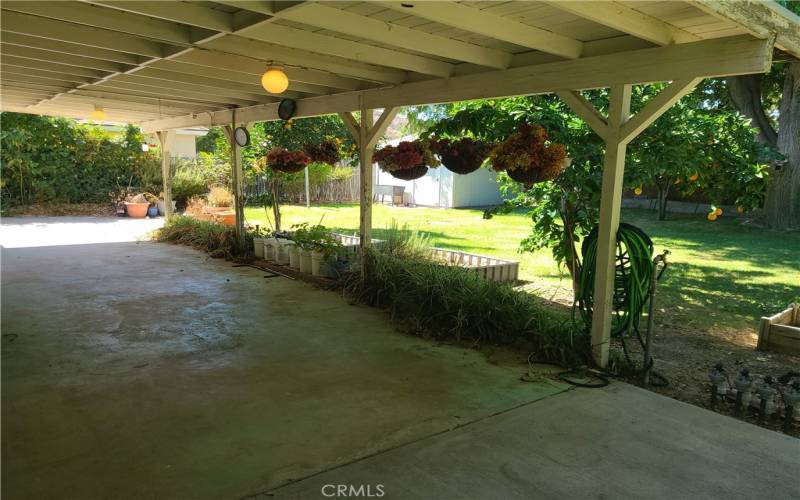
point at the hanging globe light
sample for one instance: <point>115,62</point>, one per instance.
<point>99,113</point>
<point>274,80</point>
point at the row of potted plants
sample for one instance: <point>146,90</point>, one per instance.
<point>526,156</point>
<point>308,249</point>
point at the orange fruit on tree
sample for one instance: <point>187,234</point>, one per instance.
<point>740,210</point>
<point>712,216</point>
<point>693,177</point>
<point>718,211</point>
<point>638,191</point>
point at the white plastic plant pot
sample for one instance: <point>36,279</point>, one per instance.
<point>162,207</point>
<point>294,256</point>
<point>270,249</point>
<point>317,258</point>
<point>305,261</point>
<point>258,247</point>
<point>282,251</point>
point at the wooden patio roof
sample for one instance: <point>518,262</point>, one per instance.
<point>175,64</point>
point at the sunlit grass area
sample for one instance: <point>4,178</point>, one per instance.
<point>723,275</point>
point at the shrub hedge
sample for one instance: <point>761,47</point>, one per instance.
<point>217,240</point>
<point>452,302</point>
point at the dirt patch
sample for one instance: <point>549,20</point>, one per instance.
<point>62,209</point>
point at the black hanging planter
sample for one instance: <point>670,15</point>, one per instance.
<point>461,166</point>
<point>410,174</point>
<point>529,176</point>
<point>289,168</point>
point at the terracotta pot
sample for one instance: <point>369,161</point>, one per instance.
<point>137,210</point>
<point>217,210</point>
<point>226,218</point>
<point>410,174</point>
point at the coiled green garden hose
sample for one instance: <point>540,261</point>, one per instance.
<point>633,271</point>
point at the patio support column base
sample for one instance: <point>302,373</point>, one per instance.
<point>165,138</point>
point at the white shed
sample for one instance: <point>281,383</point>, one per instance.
<point>442,188</point>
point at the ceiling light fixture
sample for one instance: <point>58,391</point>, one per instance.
<point>99,113</point>
<point>274,80</point>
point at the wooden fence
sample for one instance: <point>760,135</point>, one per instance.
<point>329,191</point>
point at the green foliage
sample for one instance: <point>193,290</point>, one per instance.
<point>217,240</point>
<point>208,143</point>
<point>192,177</point>
<point>317,238</point>
<point>694,146</point>
<point>55,160</point>
<point>453,302</point>
<point>404,243</point>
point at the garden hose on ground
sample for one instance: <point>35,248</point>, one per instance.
<point>634,270</point>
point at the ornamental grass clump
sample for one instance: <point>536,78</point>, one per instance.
<point>449,302</point>
<point>527,157</point>
<point>407,161</point>
<point>290,162</point>
<point>217,240</point>
<point>462,156</point>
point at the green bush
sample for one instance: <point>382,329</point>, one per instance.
<point>217,240</point>
<point>453,302</point>
<point>46,160</point>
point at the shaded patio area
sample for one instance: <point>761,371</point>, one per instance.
<point>142,370</point>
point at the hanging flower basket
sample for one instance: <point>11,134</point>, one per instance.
<point>326,152</point>
<point>289,162</point>
<point>407,161</point>
<point>527,158</point>
<point>463,156</point>
<point>410,174</point>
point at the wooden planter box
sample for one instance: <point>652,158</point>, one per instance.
<point>781,332</point>
<point>490,268</point>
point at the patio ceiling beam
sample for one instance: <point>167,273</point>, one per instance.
<point>762,19</point>
<point>219,86</point>
<point>492,25</point>
<point>32,86</point>
<point>718,57</point>
<point>100,17</point>
<point>157,92</point>
<point>46,75</point>
<point>627,20</point>
<point>54,67</point>
<point>14,22</point>
<point>158,84</point>
<point>347,49</point>
<point>245,65</point>
<point>252,81</point>
<point>62,47</point>
<point>311,60</point>
<point>348,23</point>
<point>148,107</point>
<point>49,56</point>
<point>185,13</point>
<point>122,97</point>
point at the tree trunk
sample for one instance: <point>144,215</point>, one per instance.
<point>276,209</point>
<point>782,203</point>
<point>663,193</point>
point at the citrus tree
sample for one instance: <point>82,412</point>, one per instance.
<point>698,146</point>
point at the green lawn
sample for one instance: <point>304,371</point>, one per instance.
<point>723,275</point>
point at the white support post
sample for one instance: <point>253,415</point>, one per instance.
<point>610,201</point>
<point>237,183</point>
<point>165,138</point>
<point>308,190</point>
<point>366,136</point>
<point>365,159</point>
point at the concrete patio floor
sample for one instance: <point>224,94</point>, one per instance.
<point>144,370</point>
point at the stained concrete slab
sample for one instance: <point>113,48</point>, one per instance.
<point>145,370</point>
<point>613,443</point>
